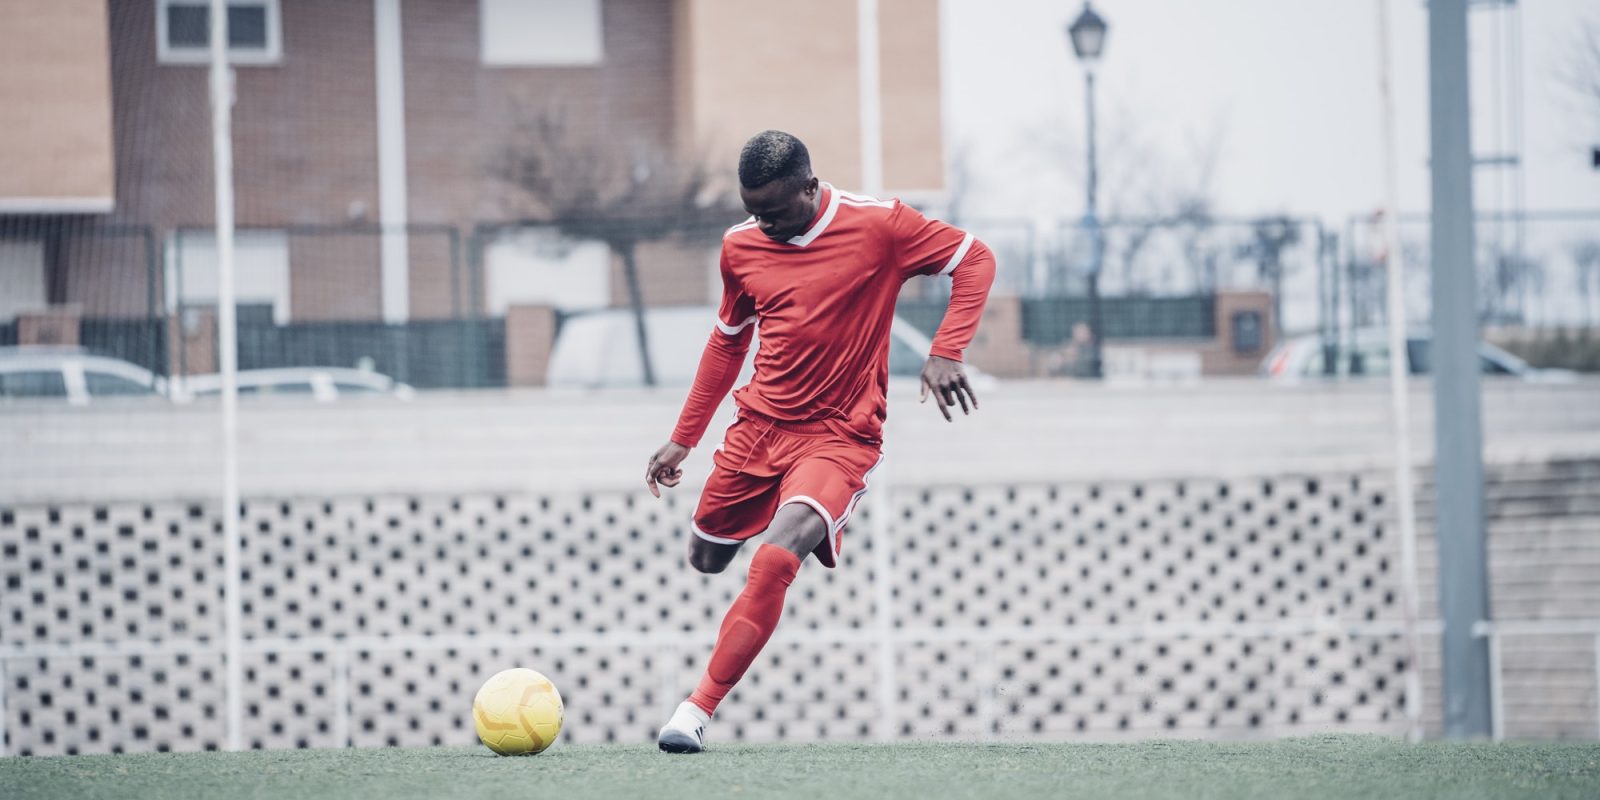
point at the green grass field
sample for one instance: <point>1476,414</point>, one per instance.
<point>1368,768</point>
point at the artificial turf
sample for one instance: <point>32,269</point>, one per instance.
<point>1362,767</point>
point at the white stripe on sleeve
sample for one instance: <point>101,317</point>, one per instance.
<point>961,252</point>
<point>733,330</point>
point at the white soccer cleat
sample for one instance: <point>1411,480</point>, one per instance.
<point>685,732</point>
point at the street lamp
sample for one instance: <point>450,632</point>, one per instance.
<point>1088,36</point>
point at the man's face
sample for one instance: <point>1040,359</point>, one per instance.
<point>782,210</point>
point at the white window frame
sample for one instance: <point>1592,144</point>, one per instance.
<point>181,288</point>
<point>273,54</point>
<point>486,60</point>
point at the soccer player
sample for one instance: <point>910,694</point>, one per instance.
<point>818,270</point>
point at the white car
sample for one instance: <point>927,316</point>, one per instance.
<point>1366,354</point>
<point>600,350</point>
<point>71,375</point>
<point>323,384</point>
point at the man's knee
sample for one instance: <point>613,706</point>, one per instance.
<point>798,528</point>
<point>710,559</point>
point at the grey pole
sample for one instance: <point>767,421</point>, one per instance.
<point>1096,244</point>
<point>1458,434</point>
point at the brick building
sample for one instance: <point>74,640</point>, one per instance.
<point>366,134</point>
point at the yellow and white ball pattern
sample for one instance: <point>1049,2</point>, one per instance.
<point>517,712</point>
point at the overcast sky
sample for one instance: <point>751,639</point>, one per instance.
<point>1284,94</point>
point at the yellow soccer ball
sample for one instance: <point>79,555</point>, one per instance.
<point>518,712</point>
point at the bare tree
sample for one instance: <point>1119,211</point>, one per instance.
<point>1586,257</point>
<point>961,183</point>
<point>1505,277</point>
<point>1194,222</point>
<point>1581,73</point>
<point>1270,237</point>
<point>1145,190</point>
<point>1135,237</point>
<point>619,193</point>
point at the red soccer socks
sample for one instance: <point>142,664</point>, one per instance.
<point>748,625</point>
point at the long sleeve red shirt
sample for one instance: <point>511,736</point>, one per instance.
<point>824,301</point>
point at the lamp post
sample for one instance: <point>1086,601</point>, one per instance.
<point>1088,36</point>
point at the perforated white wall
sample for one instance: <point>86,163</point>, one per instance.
<point>1233,608</point>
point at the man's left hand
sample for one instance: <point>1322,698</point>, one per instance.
<point>948,383</point>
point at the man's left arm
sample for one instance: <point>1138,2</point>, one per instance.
<point>931,247</point>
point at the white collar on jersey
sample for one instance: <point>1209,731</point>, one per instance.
<point>822,224</point>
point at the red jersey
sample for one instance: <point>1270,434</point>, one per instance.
<point>824,302</point>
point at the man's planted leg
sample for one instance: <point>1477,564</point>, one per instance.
<point>749,623</point>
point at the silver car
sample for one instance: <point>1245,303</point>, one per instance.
<point>600,350</point>
<point>71,375</point>
<point>1366,354</point>
<point>322,384</point>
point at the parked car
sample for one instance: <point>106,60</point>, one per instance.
<point>323,384</point>
<point>600,350</point>
<point>1366,354</point>
<point>72,375</point>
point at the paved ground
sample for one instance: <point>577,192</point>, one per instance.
<point>513,440</point>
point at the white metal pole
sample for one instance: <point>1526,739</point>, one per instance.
<point>882,505</point>
<point>1596,686</point>
<point>988,681</point>
<point>1497,698</point>
<point>870,88</point>
<point>4,753</point>
<point>341,697</point>
<point>393,213</point>
<point>228,365</point>
<point>1399,386</point>
<point>668,677</point>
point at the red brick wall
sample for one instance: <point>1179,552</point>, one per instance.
<point>305,129</point>
<point>530,338</point>
<point>305,139</point>
<point>460,115</point>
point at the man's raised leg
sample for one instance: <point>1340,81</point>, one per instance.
<point>749,623</point>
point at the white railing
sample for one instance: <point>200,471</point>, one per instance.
<point>1496,630</point>
<point>890,640</point>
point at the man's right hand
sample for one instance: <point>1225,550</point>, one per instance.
<point>664,467</point>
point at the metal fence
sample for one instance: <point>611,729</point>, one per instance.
<point>425,353</point>
<point>1535,269</point>
<point>138,290</point>
<point>1050,320</point>
<point>141,341</point>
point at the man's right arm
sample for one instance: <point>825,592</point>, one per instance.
<point>724,355</point>
<point>719,368</point>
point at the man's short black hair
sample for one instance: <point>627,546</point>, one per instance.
<point>773,156</point>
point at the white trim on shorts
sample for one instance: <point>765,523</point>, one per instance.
<point>816,505</point>
<point>866,480</point>
<point>713,539</point>
<point>836,525</point>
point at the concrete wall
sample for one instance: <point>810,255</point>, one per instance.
<point>1223,608</point>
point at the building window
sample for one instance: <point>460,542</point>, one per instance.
<point>540,33</point>
<point>540,266</point>
<point>183,32</point>
<point>260,280</point>
<point>22,278</point>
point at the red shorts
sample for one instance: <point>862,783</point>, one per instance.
<point>764,465</point>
